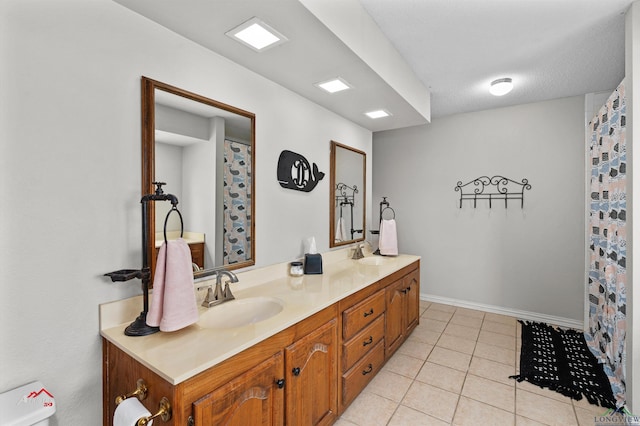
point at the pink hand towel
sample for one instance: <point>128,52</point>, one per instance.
<point>388,243</point>
<point>173,305</point>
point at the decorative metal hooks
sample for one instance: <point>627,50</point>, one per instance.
<point>493,188</point>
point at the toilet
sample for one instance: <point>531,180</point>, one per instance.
<point>28,405</point>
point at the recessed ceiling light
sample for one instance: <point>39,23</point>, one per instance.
<point>379,113</point>
<point>501,86</point>
<point>257,35</point>
<point>334,85</point>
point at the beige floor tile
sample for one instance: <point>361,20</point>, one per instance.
<point>492,370</point>
<point>496,339</point>
<point>544,410</point>
<point>523,421</point>
<point>442,307</point>
<point>441,377</point>
<point>423,334</point>
<point>496,327</point>
<point>528,387</point>
<point>489,392</point>
<point>415,349</point>
<point>469,312</point>
<point>431,400</point>
<point>405,416</point>
<point>424,304</point>
<point>450,358</point>
<point>494,353</point>
<point>433,325</point>
<point>370,409</point>
<point>585,404</point>
<point>404,365</point>
<point>587,417</point>
<point>469,333</point>
<point>466,321</point>
<point>437,315</point>
<point>456,343</point>
<point>474,413</point>
<point>504,319</point>
<point>389,385</point>
<point>343,422</point>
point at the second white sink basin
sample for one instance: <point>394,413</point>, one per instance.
<point>239,312</point>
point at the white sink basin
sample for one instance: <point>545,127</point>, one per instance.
<point>373,260</point>
<point>239,312</point>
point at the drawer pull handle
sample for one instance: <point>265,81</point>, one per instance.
<point>280,383</point>
<point>296,371</point>
<point>366,314</point>
<point>368,370</point>
<point>368,341</point>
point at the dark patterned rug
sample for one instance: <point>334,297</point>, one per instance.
<point>560,360</point>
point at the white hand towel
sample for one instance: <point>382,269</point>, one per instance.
<point>173,305</point>
<point>388,243</point>
<point>341,233</point>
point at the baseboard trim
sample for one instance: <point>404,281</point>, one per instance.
<point>525,315</point>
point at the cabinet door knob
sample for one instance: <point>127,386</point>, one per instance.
<point>368,341</point>
<point>368,370</point>
<point>280,383</point>
<point>366,314</point>
<point>296,371</point>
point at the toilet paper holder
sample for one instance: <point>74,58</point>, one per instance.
<point>164,407</point>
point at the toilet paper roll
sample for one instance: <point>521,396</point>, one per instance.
<point>129,412</point>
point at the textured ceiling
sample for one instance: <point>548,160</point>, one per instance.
<point>551,48</point>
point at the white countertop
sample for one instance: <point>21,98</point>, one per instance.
<point>179,355</point>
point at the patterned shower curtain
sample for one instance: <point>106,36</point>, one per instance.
<point>237,202</point>
<point>608,240</point>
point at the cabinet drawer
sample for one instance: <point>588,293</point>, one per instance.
<point>354,380</point>
<point>361,314</point>
<point>362,342</point>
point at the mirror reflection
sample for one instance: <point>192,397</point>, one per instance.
<point>347,214</point>
<point>203,151</point>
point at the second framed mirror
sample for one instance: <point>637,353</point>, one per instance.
<point>347,215</point>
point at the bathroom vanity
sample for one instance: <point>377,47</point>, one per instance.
<point>301,366</point>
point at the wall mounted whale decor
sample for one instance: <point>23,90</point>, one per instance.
<point>294,172</point>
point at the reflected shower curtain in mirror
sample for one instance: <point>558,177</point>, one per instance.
<point>237,202</point>
<point>608,240</point>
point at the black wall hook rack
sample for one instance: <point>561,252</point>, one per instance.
<point>492,188</point>
<point>345,196</point>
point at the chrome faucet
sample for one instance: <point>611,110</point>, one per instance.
<point>218,296</point>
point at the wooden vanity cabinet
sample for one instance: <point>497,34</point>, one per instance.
<point>311,373</point>
<point>307,374</point>
<point>249,399</point>
<point>289,378</point>
<point>403,304</point>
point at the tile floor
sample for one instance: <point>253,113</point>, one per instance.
<point>454,370</point>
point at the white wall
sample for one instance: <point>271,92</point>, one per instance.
<point>529,259</point>
<point>70,186</point>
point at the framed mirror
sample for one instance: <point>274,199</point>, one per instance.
<point>204,151</point>
<point>347,203</point>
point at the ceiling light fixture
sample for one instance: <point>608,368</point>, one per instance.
<point>256,34</point>
<point>334,85</point>
<point>501,86</point>
<point>379,113</point>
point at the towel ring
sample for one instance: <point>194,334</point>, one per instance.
<point>166,220</point>
<point>385,209</point>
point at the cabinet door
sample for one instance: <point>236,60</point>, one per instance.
<point>311,377</point>
<point>394,330</point>
<point>253,398</point>
<point>412,287</point>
